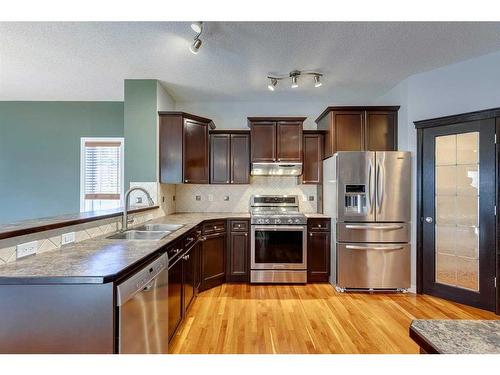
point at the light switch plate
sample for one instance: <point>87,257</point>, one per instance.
<point>67,238</point>
<point>311,198</point>
<point>198,197</point>
<point>25,249</point>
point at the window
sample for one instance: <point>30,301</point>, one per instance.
<point>101,177</point>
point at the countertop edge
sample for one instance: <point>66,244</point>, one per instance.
<point>86,218</point>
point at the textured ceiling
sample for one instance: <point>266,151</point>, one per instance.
<point>90,60</point>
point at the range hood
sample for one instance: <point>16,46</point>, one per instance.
<point>276,169</point>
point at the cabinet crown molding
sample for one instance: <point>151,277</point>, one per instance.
<point>357,108</point>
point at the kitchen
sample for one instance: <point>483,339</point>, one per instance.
<point>247,226</point>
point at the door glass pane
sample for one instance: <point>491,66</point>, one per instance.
<point>457,210</point>
<point>278,246</point>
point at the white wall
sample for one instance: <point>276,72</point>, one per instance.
<point>467,86</point>
<point>233,115</point>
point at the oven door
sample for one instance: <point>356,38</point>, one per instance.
<point>279,247</point>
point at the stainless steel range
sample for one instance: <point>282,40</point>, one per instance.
<point>278,240</point>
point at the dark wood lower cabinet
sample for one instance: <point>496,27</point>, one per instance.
<point>238,253</point>
<point>175,305</point>
<point>213,260</point>
<point>318,251</point>
<point>188,282</point>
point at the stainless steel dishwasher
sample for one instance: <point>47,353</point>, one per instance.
<point>142,302</point>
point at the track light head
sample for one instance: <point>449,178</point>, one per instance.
<point>273,84</point>
<point>317,82</point>
<point>197,27</point>
<point>295,84</point>
<point>195,47</point>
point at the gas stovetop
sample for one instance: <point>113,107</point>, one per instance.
<point>276,210</point>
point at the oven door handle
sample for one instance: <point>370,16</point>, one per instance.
<point>279,227</point>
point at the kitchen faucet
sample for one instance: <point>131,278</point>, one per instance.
<point>127,206</point>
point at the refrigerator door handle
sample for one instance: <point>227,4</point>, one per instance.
<point>380,186</point>
<point>370,187</point>
<point>378,227</point>
<point>353,247</point>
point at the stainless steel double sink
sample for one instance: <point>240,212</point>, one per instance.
<point>147,232</point>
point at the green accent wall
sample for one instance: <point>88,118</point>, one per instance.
<point>40,154</point>
<point>140,128</point>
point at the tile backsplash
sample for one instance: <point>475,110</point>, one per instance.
<point>236,198</point>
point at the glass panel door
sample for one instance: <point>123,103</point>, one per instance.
<point>457,202</point>
<point>458,217</point>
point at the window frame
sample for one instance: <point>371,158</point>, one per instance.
<point>84,140</point>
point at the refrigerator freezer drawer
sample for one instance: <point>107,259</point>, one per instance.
<point>370,265</point>
<point>373,232</point>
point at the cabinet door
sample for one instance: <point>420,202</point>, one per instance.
<point>289,141</point>
<point>188,284</point>
<point>195,152</point>
<point>381,131</point>
<point>240,158</point>
<point>197,265</point>
<point>213,270</point>
<point>348,131</point>
<point>238,257</point>
<point>263,141</point>
<point>220,158</point>
<point>171,149</point>
<point>318,256</point>
<point>174,297</point>
<point>313,159</point>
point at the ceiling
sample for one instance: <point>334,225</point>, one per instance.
<point>90,60</point>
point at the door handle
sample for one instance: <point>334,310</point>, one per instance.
<point>428,219</point>
<point>377,227</point>
<point>352,247</point>
<point>370,188</point>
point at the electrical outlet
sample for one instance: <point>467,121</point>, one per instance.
<point>226,197</point>
<point>67,238</point>
<point>311,198</point>
<point>25,249</point>
<point>198,197</point>
<point>210,197</point>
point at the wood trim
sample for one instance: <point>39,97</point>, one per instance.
<point>83,217</point>
<point>102,144</point>
<point>230,131</point>
<point>418,219</point>
<point>313,131</point>
<point>189,116</point>
<point>455,119</point>
<point>497,242</point>
<point>275,119</point>
<point>356,108</point>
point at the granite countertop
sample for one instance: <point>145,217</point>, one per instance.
<point>457,336</point>
<point>316,216</point>
<point>22,227</point>
<point>99,259</point>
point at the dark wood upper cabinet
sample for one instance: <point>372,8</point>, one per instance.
<point>381,130</point>
<point>230,157</point>
<point>276,139</point>
<point>184,147</point>
<point>220,158</point>
<point>312,171</point>
<point>371,128</point>
<point>289,141</point>
<point>240,158</point>
<point>263,141</point>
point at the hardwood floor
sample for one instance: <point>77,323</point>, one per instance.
<point>313,318</point>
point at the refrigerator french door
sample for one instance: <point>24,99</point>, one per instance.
<point>370,193</point>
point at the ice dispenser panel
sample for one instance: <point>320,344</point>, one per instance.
<point>355,199</point>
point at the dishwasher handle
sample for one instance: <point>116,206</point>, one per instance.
<point>142,280</point>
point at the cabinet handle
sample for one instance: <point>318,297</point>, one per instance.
<point>227,181</point>
<point>246,234</point>
<point>232,181</point>
<point>310,234</point>
<point>186,180</point>
<point>190,239</point>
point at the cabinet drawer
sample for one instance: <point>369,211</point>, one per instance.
<point>239,226</point>
<point>214,227</point>
<point>318,224</point>
<point>190,239</point>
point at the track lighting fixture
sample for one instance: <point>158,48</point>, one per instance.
<point>273,84</point>
<point>317,82</point>
<point>198,29</point>
<point>294,75</point>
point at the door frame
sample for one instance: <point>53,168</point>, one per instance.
<point>492,113</point>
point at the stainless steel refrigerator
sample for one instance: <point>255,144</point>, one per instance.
<point>368,196</point>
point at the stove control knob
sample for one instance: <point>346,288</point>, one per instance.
<point>267,221</point>
<point>297,221</point>
<point>260,221</point>
<point>277,221</point>
<point>290,221</point>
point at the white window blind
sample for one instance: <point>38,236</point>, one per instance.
<point>102,170</point>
